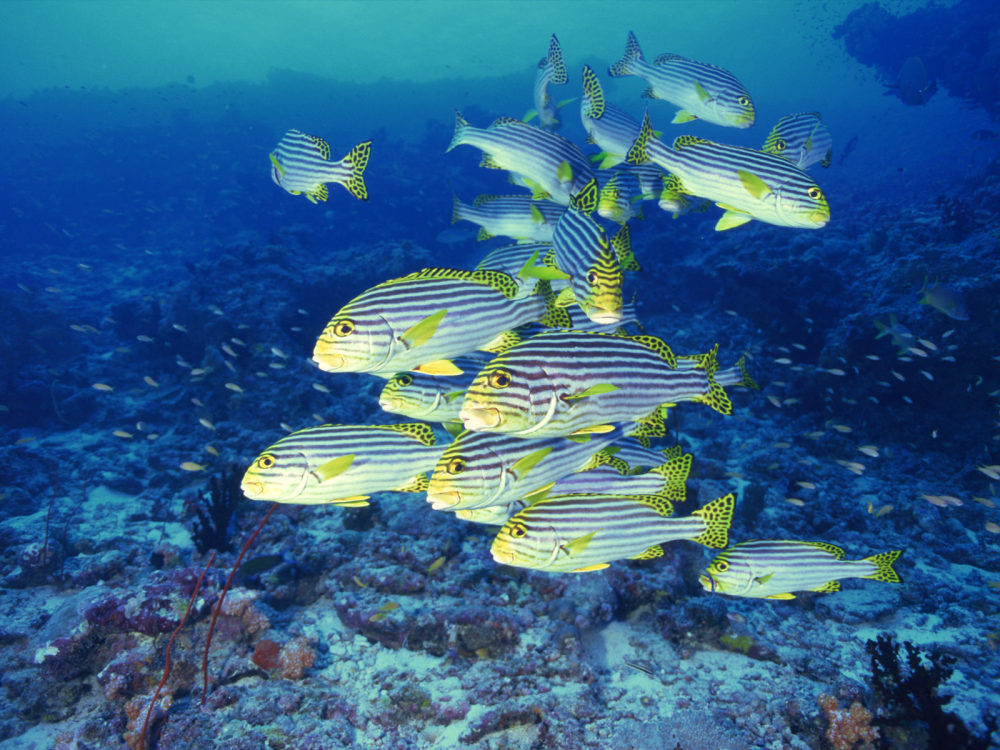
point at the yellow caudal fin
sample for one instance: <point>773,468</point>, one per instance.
<point>716,398</point>
<point>357,160</point>
<point>675,472</point>
<point>883,566</point>
<point>718,516</point>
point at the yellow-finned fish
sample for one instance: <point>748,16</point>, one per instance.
<point>551,71</point>
<point>300,164</point>
<point>774,569</point>
<point>703,91</point>
<point>802,138</point>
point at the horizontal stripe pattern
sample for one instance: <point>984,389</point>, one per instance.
<point>304,166</point>
<point>674,79</point>
<point>510,216</point>
<point>713,170</point>
<point>385,458</point>
<point>802,139</point>
<point>762,568</point>
<point>529,151</point>
<point>547,371</point>
<point>542,535</point>
<point>432,398</point>
<point>378,318</point>
<point>613,130</point>
<point>477,469</point>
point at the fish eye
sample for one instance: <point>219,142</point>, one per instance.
<point>455,466</point>
<point>343,328</point>
<point>780,144</point>
<point>721,566</point>
<point>499,379</point>
<point>265,462</point>
<point>404,380</point>
<point>815,193</point>
<point>591,278</point>
<point>744,101</point>
<point>517,530</point>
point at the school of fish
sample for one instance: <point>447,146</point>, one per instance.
<point>539,396</point>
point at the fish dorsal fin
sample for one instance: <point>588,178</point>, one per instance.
<point>502,282</point>
<point>422,433</point>
<point>419,483</point>
<point>667,57</point>
<point>622,244</point>
<point>673,185</point>
<point>526,463</point>
<point>658,345</point>
<point>321,146</point>
<point>675,472</point>
<point>650,554</point>
<point>334,467</point>
<point>658,503</point>
<point>505,120</point>
<point>593,95</point>
<point>485,198</point>
<point>682,142</point>
<point>502,342</point>
<point>556,61</point>
<point>637,151</point>
<point>754,184</point>
<point>586,200</point>
<point>833,549</point>
<point>422,332</point>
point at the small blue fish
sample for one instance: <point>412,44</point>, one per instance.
<point>301,165</point>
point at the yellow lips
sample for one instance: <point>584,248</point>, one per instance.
<point>328,361</point>
<point>443,500</point>
<point>252,489</point>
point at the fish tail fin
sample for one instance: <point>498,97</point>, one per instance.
<point>883,566</point>
<point>356,161</point>
<point>716,397</point>
<point>746,381</point>
<point>460,125</point>
<point>675,472</point>
<point>456,209</point>
<point>556,315</point>
<point>633,54</point>
<point>556,61</point>
<point>718,517</point>
<point>593,96</point>
<point>637,151</point>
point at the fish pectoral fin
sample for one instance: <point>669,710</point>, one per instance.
<point>439,367</point>
<point>334,467</point>
<point>589,568</point>
<point>421,333</point>
<point>600,429</point>
<point>683,116</point>
<point>578,545</point>
<point>453,428</point>
<point>761,580</point>
<point>754,184</point>
<point>702,94</point>
<point>526,463</point>
<point>731,220</point>
<point>277,164</point>
<point>594,390</point>
<point>538,495</point>
<point>536,215</point>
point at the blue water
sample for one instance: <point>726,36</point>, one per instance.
<point>137,202</point>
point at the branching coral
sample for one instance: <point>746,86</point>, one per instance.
<point>847,727</point>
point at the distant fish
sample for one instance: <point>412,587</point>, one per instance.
<point>703,91</point>
<point>301,165</point>
<point>944,299</point>
<point>551,70</point>
<point>913,86</point>
<point>515,216</point>
<point>802,138</point>
<point>848,150</point>
<point>609,128</point>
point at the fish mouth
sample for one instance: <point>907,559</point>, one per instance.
<point>501,553</point>
<point>479,417</point>
<point>443,500</point>
<point>252,489</point>
<point>604,316</point>
<point>707,583</point>
<point>393,405</point>
<point>818,218</point>
<point>328,361</point>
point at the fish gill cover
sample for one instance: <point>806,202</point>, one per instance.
<point>748,499</point>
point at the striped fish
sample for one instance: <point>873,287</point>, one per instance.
<point>432,398</point>
<point>620,198</point>
<point>802,139</point>
<point>343,464</point>
<point>301,165</point>
<point>702,91</point>
<point>569,382</point>
<point>675,201</point>
<point>629,456</point>
<point>773,569</point>
<point>748,184</point>
<point>422,320</point>
<point>582,249</point>
<point>482,469</point>
<point>608,127</point>
<point>650,179</point>
<point>553,166</point>
<point>579,533</point>
<point>551,71</point>
<point>515,216</point>
<point>512,259</point>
